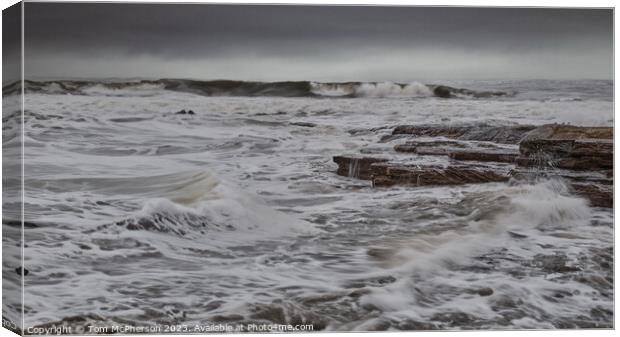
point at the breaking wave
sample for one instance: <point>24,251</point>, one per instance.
<point>247,88</point>
<point>377,90</point>
<point>206,204</point>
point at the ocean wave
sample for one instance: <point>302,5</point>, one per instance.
<point>248,88</point>
<point>375,90</point>
<point>207,204</point>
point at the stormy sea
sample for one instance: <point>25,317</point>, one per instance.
<point>347,206</point>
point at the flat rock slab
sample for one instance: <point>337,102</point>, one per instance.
<point>413,146</point>
<point>492,156</point>
<point>389,174</point>
<point>460,150</point>
<point>498,134</point>
<point>356,166</point>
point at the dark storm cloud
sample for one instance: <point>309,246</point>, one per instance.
<point>313,40</point>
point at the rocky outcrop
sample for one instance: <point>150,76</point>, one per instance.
<point>384,173</point>
<point>581,156</point>
<point>498,134</point>
<point>568,147</point>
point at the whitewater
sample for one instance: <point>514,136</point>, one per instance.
<point>139,215</point>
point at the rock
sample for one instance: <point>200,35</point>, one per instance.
<point>485,291</point>
<point>550,147</point>
<point>184,112</point>
<point>498,134</point>
<point>568,147</point>
<point>389,174</point>
<point>582,154</point>
<point>598,195</point>
<point>459,150</point>
<point>412,146</point>
<point>432,151</point>
<point>595,186</point>
<point>304,124</point>
<point>569,132</point>
<point>356,167</point>
<point>493,156</point>
<point>18,270</point>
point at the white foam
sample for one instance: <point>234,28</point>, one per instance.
<point>137,90</point>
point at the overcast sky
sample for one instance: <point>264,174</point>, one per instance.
<point>315,42</point>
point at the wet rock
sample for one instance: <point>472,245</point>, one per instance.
<point>304,124</point>
<point>492,156</point>
<point>432,151</point>
<point>568,147</point>
<point>412,146</point>
<point>569,132</point>
<point>387,174</point>
<point>567,154</point>
<point>19,271</point>
<point>498,134</point>
<point>355,166</point>
<point>591,185</point>
<point>598,195</point>
<point>485,291</point>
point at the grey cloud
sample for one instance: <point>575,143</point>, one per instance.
<point>319,38</point>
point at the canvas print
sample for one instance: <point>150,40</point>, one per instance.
<point>213,168</point>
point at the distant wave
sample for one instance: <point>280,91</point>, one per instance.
<point>246,88</point>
